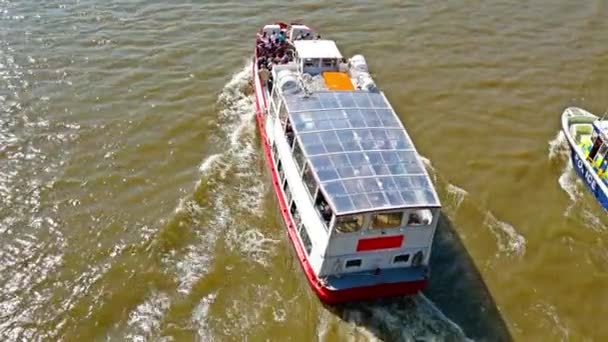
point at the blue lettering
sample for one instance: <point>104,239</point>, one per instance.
<point>583,170</point>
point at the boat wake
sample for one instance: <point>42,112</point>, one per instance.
<point>581,208</point>
<point>219,219</point>
<point>509,241</point>
<point>414,318</point>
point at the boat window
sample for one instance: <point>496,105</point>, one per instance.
<point>350,223</point>
<point>599,158</point>
<point>323,208</point>
<point>420,217</point>
<point>283,113</point>
<point>328,62</point>
<point>281,172</point>
<point>386,220</point>
<point>310,62</point>
<point>401,258</point>
<point>289,134</point>
<point>295,214</point>
<point>594,135</point>
<point>353,263</point>
<point>298,155</point>
<point>596,146</point>
<point>287,192</point>
<point>274,151</point>
<point>309,180</point>
<point>305,240</point>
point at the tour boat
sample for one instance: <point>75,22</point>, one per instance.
<point>359,207</point>
<point>587,136</point>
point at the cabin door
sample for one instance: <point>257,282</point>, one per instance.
<point>596,147</point>
<point>600,156</point>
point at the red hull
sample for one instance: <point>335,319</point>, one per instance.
<point>324,293</point>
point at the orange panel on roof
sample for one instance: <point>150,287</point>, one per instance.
<point>337,81</point>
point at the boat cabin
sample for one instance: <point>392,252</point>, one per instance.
<point>363,199</point>
<point>596,150</point>
<point>316,56</point>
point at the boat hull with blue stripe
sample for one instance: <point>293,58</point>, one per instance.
<point>587,136</point>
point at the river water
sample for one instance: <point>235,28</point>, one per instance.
<point>135,203</point>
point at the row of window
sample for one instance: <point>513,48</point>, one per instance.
<point>293,209</point>
<point>354,223</point>
<point>397,259</point>
<point>324,62</point>
<point>308,177</point>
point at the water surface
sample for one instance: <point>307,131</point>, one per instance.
<point>135,203</point>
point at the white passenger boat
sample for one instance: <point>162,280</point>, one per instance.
<point>587,136</point>
<point>358,204</point>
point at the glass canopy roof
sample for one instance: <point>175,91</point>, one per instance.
<point>359,151</point>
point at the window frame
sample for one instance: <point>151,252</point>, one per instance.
<point>362,225</point>
<point>374,215</point>
<point>405,256</point>
<point>357,263</point>
<point>298,145</point>
<point>309,171</point>
<point>423,213</point>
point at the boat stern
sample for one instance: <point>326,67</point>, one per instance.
<point>363,286</point>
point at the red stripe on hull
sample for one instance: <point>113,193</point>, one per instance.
<point>375,244</point>
<point>325,294</point>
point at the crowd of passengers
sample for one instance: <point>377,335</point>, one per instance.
<point>276,49</point>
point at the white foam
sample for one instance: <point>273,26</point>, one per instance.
<point>323,322</point>
<point>252,244</point>
<point>144,321</point>
<point>568,182</point>
<point>237,129</point>
<point>508,239</point>
<point>411,318</point>
<point>200,317</point>
<point>422,299</point>
<point>557,326</point>
<point>209,162</point>
<point>592,221</point>
<point>457,193</point>
<point>559,147</point>
<point>192,267</point>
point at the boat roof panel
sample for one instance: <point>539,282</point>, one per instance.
<point>360,152</point>
<point>601,125</point>
<point>318,48</point>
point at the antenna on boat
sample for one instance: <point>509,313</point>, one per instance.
<point>605,114</point>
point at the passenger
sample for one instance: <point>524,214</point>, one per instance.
<point>284,59</point>
<point>597,163</point>
<point>281,37</point>
<point>413,219</point>
<point>264,75</point>
<point>267,49</point>
<point>262,36</point>
<point>290,137</point>
<point>326,213</point>
<point>318,36</point>
<point>586,147</point>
